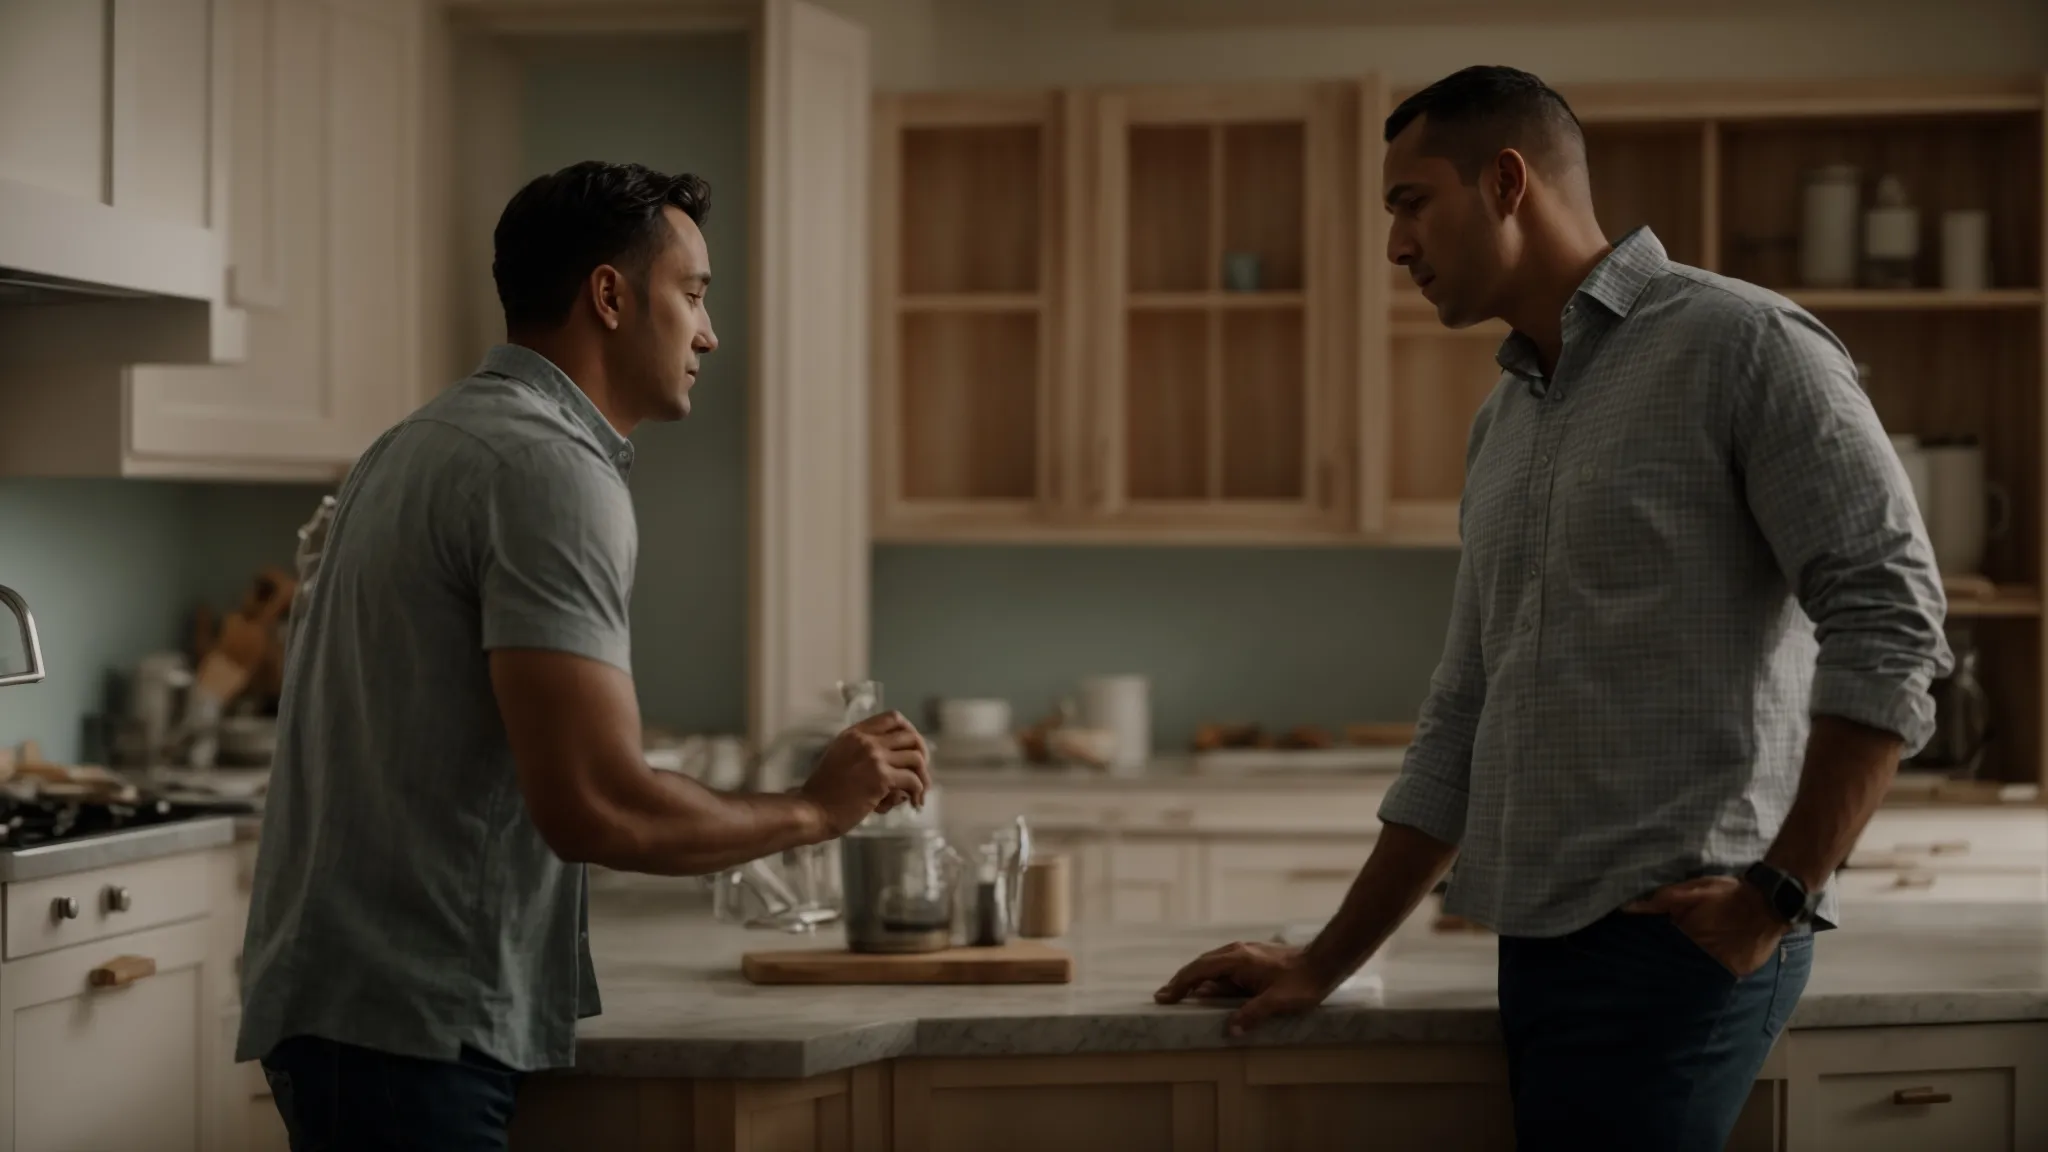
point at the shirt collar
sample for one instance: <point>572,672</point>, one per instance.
<point>518,362</point>
<point>1616,283</point>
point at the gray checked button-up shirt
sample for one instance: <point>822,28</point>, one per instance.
<point>1687,540</point>
<point>403,899</point>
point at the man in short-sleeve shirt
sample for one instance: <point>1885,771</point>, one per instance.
<point>459,734</point>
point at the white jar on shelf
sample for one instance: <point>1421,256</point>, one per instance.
<point>1891,237</point>
<point>1827,237</point>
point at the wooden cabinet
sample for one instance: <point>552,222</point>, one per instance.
<point>975,276</point>
<point>1117,313</point>
<point>306,345</point>
<point>112,1037</point>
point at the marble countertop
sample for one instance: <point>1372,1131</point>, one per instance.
<point>1177,772</point>
<point>676,1005</point>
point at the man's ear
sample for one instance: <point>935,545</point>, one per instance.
<point>1507,181</point>
<point>607,290</point>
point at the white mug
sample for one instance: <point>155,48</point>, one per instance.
<point>1123,705</point>
<point>1964,509</point>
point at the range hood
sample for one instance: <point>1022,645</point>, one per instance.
<point>59,248</point>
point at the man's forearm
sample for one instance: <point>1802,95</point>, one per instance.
<point>1848,768</point>
<point>1405,864</point>
<point>682,828</point>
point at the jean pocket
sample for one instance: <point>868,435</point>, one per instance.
<point>1691,946</point>
<point>1788,984</point>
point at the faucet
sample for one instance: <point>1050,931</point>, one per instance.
<point>29,644</point>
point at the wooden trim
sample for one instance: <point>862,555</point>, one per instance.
<point>1710,198</point>
<point>1077,309</point>
<point>1214,103</point>
<point>1052,262</point>
<point>2041,441</point>
<point>1652,100</point>
<point>1112,247</point>
<point>1375,388</point>
<point>969,109</point>
<point>565,17</point>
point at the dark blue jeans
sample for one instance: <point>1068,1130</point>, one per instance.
<point>1627,1035</point>
<point>341,1098</point>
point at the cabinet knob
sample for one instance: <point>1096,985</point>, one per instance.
<point>119,899</point>
<point>64,908</point>
<point>1909,1097</point>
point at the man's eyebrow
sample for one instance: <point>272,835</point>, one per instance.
<point>1400,191</point>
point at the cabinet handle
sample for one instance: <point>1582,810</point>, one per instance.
<point>1178,817</point>
<point>122,971</point>
<point>64,908</point>
<point>119,899</point>
<point>1951,848</point>
<point>1317,874</point>
<point>1910,1097</point>
<point>1914,880</point>
<point>1877,863</point>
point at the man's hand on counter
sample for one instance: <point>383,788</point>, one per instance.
<point>1278,979</point>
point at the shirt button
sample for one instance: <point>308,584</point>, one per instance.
<point>1532,569</point>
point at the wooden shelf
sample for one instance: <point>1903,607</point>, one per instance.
<point>1226,301</point>
<point>2009,600</point>
<point>1916,300</point>
<point>972,302</point>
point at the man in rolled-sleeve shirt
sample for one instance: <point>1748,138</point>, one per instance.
<point>1695,623</point>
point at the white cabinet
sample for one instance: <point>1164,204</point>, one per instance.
<point>1266,881</point>
<point>111,145</point>
<point>309,346</point>
<point>1962,1088</point>
<point>110,1037</point>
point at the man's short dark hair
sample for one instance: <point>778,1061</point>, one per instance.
<point>1476,112</point>
<point>561,226</point>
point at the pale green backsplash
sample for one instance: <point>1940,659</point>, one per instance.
<point>1274,636</point>
<point>1277,635</point>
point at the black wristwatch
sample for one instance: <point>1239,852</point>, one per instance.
<point>1787,898</point>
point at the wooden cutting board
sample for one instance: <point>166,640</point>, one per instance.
<point>1018,962</point>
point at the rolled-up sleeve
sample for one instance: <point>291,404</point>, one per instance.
<point>560,547</point>
<point>1832,499</point>
<point>1433,789</point>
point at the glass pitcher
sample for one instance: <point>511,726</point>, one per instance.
<point>31,648</point>
<point>900,889</point>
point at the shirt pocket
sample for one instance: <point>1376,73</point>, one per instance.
<point>1623,522</point>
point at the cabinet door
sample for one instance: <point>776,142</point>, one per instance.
<point>1153,882</point>
<point>321,230</point>
<point>130,1066</point>
<point>974,286</point>
<point>1221,270</point>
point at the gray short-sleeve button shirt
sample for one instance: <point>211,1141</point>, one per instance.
<point>403,899</point>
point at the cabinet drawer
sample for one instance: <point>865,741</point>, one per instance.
<point>1959,1109</point>
<point>1252,883</point>
<point>1909,885</point>
<point>157,892</point>
<point>1351,809</point>
<point>1944,839</point>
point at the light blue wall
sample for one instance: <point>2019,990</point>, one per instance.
<point>112,569</point>
<point>1275,636</point>
<point>676,105</point>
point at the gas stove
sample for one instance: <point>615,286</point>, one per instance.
<point>35,821</point>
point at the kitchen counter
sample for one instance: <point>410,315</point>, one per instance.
<point>675,1004</point>
<point>127,846</point>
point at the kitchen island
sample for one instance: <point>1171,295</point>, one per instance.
<point>1925,1025</point>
